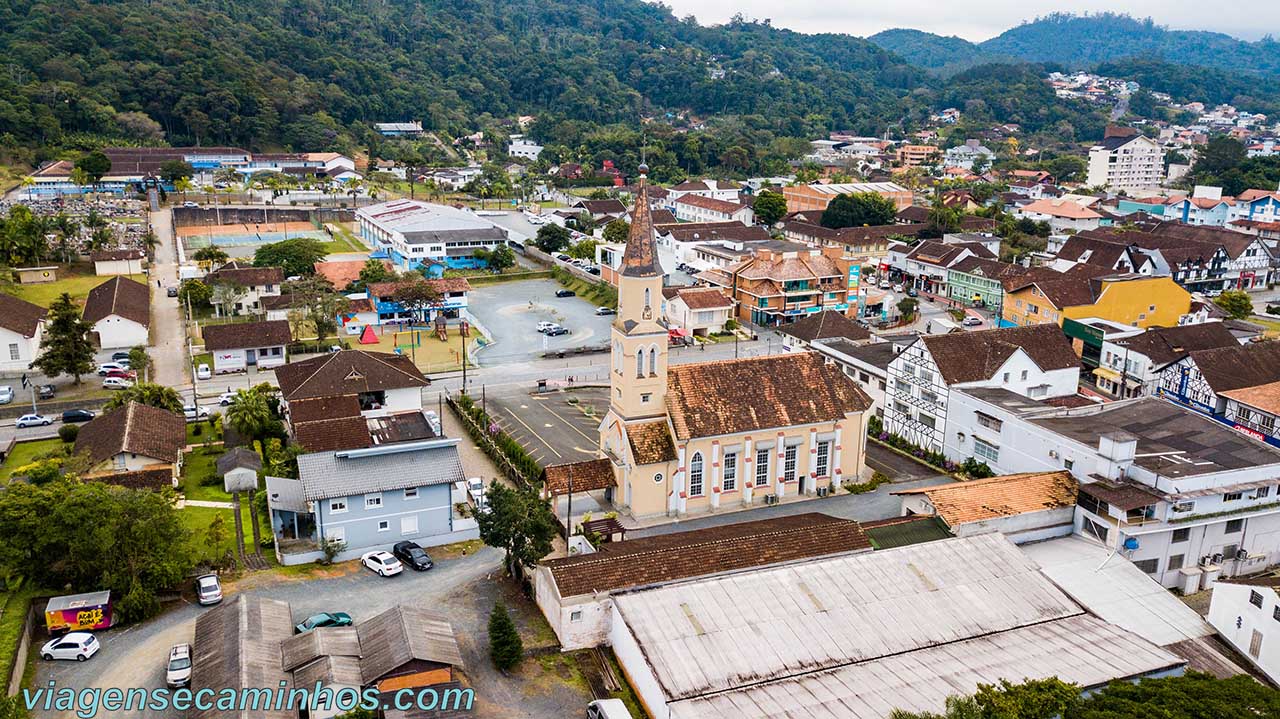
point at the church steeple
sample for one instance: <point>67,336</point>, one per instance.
<point>641,256</point>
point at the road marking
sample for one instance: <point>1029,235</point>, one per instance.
<point>572,426</point>
<point>535,434</point>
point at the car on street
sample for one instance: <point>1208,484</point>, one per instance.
<point>226,398</point>
<point>323,619</point>
<point>6,394</point>
<point>603,311</point>
<point>566,293</point>
<point>120,357</point>
<point>33,420</point>
<point>562,257</point>
<point>74,645</point>
<point>177,673</point>
<point>556,331</point>
<point>171,291</point>
<point>884,284</point>
<point>122,374</point>
<point>195,414</point>
<point>192,205</point>
<point>77,415</point>
<point>911,292</point>
<point>116,383</point>
<point>203,371</point>
<point>594,270</point>
<point>382,563</point>
<point>106,367</point>
<point>971,321</point>
<point>208,589</point>
<point>544,326</point>
<point>46,391</point>
<point>897,288</point>
<point>412,555</point>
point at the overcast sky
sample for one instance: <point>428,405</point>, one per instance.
<point>978,20</point>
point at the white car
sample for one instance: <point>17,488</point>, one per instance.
<point>203,372</point>
<point>177,673</point>
<point>33,420</point>
<point>884,284</point>
<point>226,398</point>
<point>544,326</point>
<point>6,394</point>
<point>382,563</point>
<point>106,367</point>
<point>194,413</point>
<point>208,589</point>
<point>971,321</point>
<point>897,288</point>
<point>475,490</point>
<point>75,645</point>
<point>116,383</point>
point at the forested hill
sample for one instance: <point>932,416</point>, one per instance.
<point>260,73</point>
<point>1084,40</point>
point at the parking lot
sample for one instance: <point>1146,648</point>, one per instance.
<point>555,427</point>
<point>511,311</point>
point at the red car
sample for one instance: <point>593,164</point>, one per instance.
<point>122,374</point>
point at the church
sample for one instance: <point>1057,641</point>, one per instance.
<point>721,435</point>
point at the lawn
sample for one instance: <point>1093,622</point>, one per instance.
<point>25,453</point>
<point>343,240</point>
<point>1272,327</point>
<point>431,355</point>
<point>198,519</point>
<point>73,281</point>
<point>13,609</point>
<point>206,434</point>
<point>200,465</point>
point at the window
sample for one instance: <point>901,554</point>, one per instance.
<point>901,408</point>
<point>926,375</point>
<point>863,377</point>
<point>653,361</point>
<point>657,478</point>
<point>1275,613</point>
<point>13,351</point>
<point>646,298</point>
<point>985,451</point>
<point>762,467</point>
<point>789,464</point>
<point>1148,566</point>
<point>927,420</point>
<point>1068,464</point>
<point>645,397</point>
<point>372,501</point>
<point>1234,526</point>
<point>639,363</point>
<point>1024,375</point>
<point>1005,379</point>
<point>695,475</point>
<point>730,471</point>
<point>1261,492</point>
<point>1180,535</point>
<point>384,525</point>
<point>1255,598</point>
<point>1093,529</point>
<point>1175,562</point>
<point>1232,496</point>
<point>411,493</point>
<point>337,506</point>
<point>928,397</point>
<point>986,420</point>
<point>336,534</point>
<point>409,525</point>
<point>822,460</point>
<point>575,615</point>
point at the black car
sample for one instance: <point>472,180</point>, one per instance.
<point>171,292</point>
<point>77,415</point>
<point>46,391</point>
<point>566,293</point>
<point>411,555</point>
<point>119,356</point>
<point>557,331</point>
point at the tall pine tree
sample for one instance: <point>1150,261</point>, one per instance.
<point>65,348</point>
<point>505,646</point>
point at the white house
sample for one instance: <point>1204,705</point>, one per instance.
<point>118,262</point>
<point>699,310</point>
<point>1246,613</point>
<point>119,310</point>
<point>239,345</point>
<point>715,189</point>
<point>1133,360</point>
<point>1061,214</point>
<point>21,328</point>
<point>1034,361</point>
<point>252,285</point>
<point>521,147</point>
<point>697,208</point>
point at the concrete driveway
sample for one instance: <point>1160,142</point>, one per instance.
<point>510,311</point>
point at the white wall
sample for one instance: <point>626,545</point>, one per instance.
<point>118,267</point>
<point>589,629</point>
<point>28,349</point>
<point>402,400</point>
<point>1229,606</point>
<point>116,332</point>
<point>229,361</point>
<point>636,668</point>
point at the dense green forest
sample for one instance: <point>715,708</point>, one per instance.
<point>1080,41</point>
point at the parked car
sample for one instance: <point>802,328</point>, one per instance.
<point>566,293</point>
<point>192,205</point>
<point>912,292</point>
<point>123,374</point>
<point>116,383</point>
<point>33,420</point>
<point>897,288</point>
<point>608,709</point>
<point>412,555</point>
<point>475,490</point>
<point>544,326</point>
<point>226,398</point>
<point>77,415</point>
<point>594,270</point>
<point>6,394</point>
<point>602,311</point>
<point>75,645</point>
<point>557,331</point>
<point>171,291</point>
<point>120,357</point>
<point>46,391</point>
<point>208,589</point>
<point>177,673</point>
<point>203,371</point>
<point>562,257</point>
<point>194,414</point>
<point>323,619</point>
<point>382,563</point>
<point>106,367</point>
<point>971,321</point>
<point>884,284</point>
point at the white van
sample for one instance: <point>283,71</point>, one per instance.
<point>608,709</point>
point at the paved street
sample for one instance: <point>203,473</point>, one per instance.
<point>167,339</point>
<point>510,311</point>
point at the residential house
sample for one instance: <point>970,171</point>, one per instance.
<point>1035,361</point>
<point>1249,260</point>
<point>237,346</point>
<point>251,284</point>
<point>698,310</point>
<point>575,592</point>
<point>775,287</point>
<point>1087,291</point>
<point>415,234</point>
<point>856,608</point>
<point>1108,255</point>
<point>979,282</point>
<point>21,329</point>
<point>119,311</point>
<point>800,335</point>
<point>524,148</point>
<point>132,438</point>
<point>927,264</point>
<point>696,208</point>
<point>1029,507</point>
<point>399,129</point>
<point>1061,214</point>
<point>1253,411</point>
<point>1246,613</point>
<point>725,190</point>
<point>600,211</point>
<point>1199,379</point>
<point>368,498</point>
<point>118,262</point>
<point>802,198</point>
<point>1125,160</point>
<point>967,155</point>
<point>381,383</point>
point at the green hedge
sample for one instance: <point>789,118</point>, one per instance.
<point>500,446</point>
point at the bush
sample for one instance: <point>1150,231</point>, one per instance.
<point>975,469</point>
<point>731,325</point>
<point>68,432</point>
<point>331,548</point>
<point>870,485</point>
<point>197,429</point>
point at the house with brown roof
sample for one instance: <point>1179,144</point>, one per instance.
<point>778,285</point>
<point>133,438</point>
<point>1130,363</point>
<point>119,310</point>
<point>251,283</point>
<point>801,334</point>
<point>699,310</point>
<point>239,345</point>
<point>451,300</point>
<point>1026,507</point>
<point>1036,361</point>
<point>1089,291</point>
<point>124,261</point>
<point>696,208</point>
<point>574,593</point>
<point>380,383</point>
<point>1201,379</point>
<point>736,433</point>
<point>21,329</point>
<point>341,273</point>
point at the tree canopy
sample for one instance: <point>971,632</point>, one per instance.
<point>519,522</point>
<point>769,207</point>
<point>297,256</point>
<point>858,209</point>
<point>65,347</point>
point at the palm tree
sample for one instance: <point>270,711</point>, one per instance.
<point>250,416</point>
<point>80,178</point>
<point>184,185</point>
<point>67,228</point>
<point>29,182</point>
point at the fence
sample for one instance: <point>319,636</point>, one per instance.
<point>515,464</point>
<point>199,217</point>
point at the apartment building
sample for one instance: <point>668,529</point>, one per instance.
<point>1126,161</point>
<point>778,286</point>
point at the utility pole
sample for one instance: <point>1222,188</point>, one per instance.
<point>464,360</point>
<point>568,519</point>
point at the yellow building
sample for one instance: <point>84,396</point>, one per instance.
<point>717,435</point>
<point>1131,299</point>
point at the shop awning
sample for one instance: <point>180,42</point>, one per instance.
<point>1108,374</point>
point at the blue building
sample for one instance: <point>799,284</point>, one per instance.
<point>418,235</point>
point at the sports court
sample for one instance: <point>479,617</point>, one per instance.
<point>196,236</point>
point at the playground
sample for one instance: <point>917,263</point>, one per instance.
<point>434,348</point>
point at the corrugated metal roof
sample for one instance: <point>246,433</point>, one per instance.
<point>1081,650</point>
<point>721,633</point>
<point>379,469</point>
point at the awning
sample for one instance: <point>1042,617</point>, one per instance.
<point>1108,374</point>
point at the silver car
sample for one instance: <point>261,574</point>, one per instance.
<point>6,394</point>
<point>208,589</point>
<point>177,673</point>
